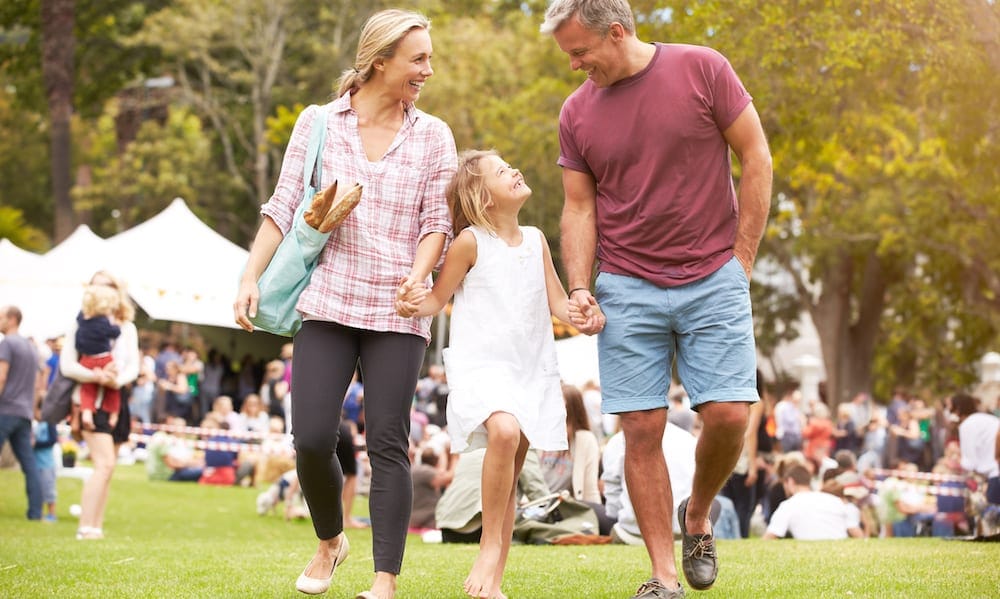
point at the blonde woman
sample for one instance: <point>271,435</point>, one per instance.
<point>105,436</point>
<point>403,158</point>
<point>96,331</point>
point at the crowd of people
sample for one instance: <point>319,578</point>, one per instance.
<point>842,487</point>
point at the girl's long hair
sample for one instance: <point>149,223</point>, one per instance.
<point>467,194</point>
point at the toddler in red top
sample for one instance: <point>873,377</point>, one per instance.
<point>95,334</point>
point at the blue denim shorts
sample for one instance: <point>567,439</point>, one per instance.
<point>706,325</point>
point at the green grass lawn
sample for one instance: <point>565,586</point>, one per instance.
<point>184,540</point>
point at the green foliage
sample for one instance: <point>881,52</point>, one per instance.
<point>500,84</point>
<point>13,228</point>
<point>879,168</point>
<point>103,64</point>
<point>279,126</point>
<point>163,162</point>
<point>24,168</point>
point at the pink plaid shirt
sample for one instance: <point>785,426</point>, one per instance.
<point>403,200</point>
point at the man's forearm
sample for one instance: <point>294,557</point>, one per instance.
<point>755,203</point>
<point>578,241</point>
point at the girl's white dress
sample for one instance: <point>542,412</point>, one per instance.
<point>501,355</point>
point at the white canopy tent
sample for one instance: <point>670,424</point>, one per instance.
<point>177,268</point>
<point>48,288</point>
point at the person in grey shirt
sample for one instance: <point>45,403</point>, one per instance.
<point>20,380</point>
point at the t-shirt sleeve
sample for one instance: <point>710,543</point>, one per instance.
<point>569,153</point>
<point>852,515</point>
<point>730,96</point>
<point>779,521</point>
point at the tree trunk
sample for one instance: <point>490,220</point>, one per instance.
<point>848,326</point>
<point>831,317</point>
<point>863,332</point>
<point>58,50</point>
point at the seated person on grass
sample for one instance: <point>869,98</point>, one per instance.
<point>172,457</point>
<point>809,515</point>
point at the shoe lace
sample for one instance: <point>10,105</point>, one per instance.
<point>650,585</point>
<point>703,547</point>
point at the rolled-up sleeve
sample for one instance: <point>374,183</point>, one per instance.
<point>291,186</point>
<point>442,162</point>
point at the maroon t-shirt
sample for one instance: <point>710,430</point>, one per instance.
<point>666,205</point>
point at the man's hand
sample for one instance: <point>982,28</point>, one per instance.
<point>584,312</point>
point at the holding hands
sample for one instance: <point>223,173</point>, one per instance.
<point>409,295</point>
<point>584,312</point>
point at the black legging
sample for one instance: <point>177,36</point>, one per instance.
<point>323,361</point>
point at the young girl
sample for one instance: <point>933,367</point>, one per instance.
<point>95,333</point>
<point>501,366</point>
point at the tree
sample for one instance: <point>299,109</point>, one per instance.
<point>228,58</point>
<point>58,46</point>
<point>86,64</point>
<point>24,170</point>
<point>131,184</point>
<point>480,90</point>
<point>14,229</point>
<point>882,198</point>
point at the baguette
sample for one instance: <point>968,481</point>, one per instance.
<point>340,209</point>
<point>320,205</point>
<point>327,211</point>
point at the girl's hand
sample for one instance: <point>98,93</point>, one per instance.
<point>409,295</point>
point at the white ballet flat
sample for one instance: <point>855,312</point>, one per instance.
<point>88,533</point>
<point>318,586</point>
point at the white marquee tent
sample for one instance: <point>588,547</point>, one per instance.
<point>177,268</point>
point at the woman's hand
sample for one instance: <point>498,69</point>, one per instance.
<point>109,376</point>
<point>409,295</point>
<point>246,304</point>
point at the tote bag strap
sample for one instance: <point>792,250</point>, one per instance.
<point>314,152</point>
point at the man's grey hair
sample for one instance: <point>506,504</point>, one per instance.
<point>595,15</point>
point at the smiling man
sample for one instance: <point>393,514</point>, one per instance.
<point>645,148</point>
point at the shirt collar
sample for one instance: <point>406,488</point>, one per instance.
<point>343,104</point>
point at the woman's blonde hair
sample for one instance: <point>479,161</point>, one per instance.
<point>100,300</point>
<point>467,193</point>
<point>126,309</point>
<point>378,40</point>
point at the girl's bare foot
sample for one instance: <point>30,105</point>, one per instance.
<point>480,582</point>
<point>495,592</point>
